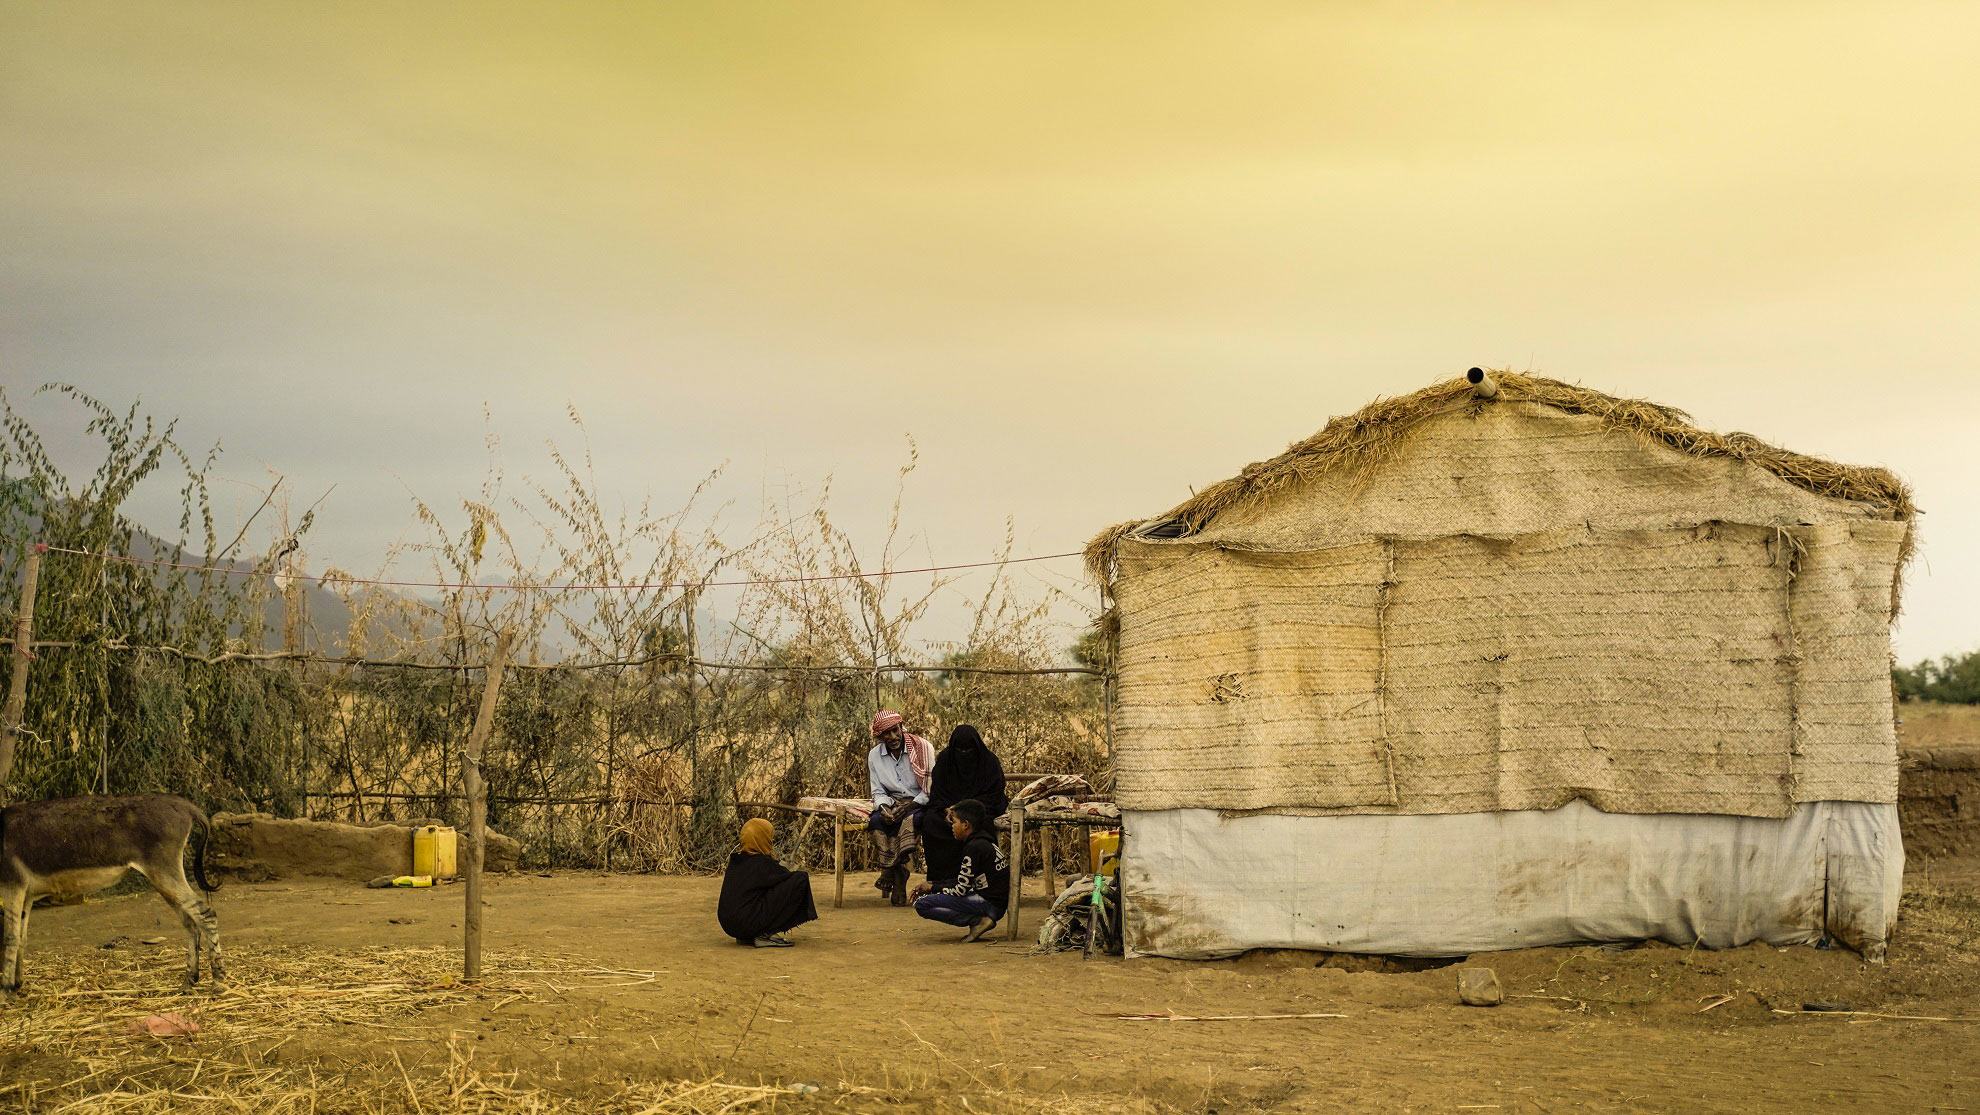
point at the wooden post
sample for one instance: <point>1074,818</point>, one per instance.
<point>293,604</point>
<point>697,825</point>
<point>689,601</point>
<point>611,750</point>
<point>804,836</point>
<point>1045,853</point>
<point>477,794</point>
<point>1017,865</point>
<point>10,719</point>
<point>1120,884</point>
<point>103,672</point>
<point>838,855</point>
<point>1107,649</point>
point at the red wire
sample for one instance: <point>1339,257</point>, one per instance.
<point>127,560</point>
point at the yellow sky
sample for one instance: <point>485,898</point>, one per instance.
<point>1088,255</point>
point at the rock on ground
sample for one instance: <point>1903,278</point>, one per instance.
<point>1479,987</point>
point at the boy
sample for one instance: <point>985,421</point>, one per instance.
<point>976,897</point>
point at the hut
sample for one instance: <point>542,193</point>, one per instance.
<point>1510,662</point>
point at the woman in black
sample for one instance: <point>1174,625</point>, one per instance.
<point>762,898</point>
<point>966,770</point>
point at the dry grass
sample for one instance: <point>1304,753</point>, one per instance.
<point>1356,443</point>
<point>304,1031</point>
<point>1923,724</point>
<point>69,1047</point>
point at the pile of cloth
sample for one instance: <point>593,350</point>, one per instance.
<point>1051,785</point>
<point>1073,807</point>
<point>1065,795</point>
<point>1071,920</point>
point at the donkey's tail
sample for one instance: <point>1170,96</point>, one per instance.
<point>199,856</point>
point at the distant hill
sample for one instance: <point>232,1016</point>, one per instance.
<point>327,619</point>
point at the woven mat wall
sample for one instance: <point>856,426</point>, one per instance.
<point>1517,468</point>
<point>1718,669</point>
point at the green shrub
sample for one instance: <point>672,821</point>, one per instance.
<point>1953,680</point>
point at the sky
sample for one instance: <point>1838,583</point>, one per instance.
<point>1085,256</point>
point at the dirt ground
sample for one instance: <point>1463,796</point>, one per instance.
<point>1925,724</point>
<point>603,980</point>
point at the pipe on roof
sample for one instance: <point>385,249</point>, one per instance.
<point>1482,383</point>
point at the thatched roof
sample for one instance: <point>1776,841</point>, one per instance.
<point>1356,442</point>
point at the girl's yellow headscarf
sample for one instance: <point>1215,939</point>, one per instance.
<point>756,836</point>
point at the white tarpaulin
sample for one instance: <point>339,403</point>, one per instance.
<point>1201,884</point>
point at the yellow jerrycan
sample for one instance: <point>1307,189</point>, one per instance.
<point>1103,850</point>
<point>436,850</point>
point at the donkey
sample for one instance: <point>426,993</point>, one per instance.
<point>76,846</point>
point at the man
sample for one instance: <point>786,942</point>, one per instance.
<point>898,770</point>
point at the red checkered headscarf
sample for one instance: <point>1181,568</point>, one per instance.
<point>920,753</point>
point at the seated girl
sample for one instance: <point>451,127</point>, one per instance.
<point>976,897</point>
<point>761,898</point>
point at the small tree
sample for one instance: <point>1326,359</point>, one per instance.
<point>96,720</point>
<point>1953,679</point>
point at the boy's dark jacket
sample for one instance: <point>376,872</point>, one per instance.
<point>984,871</point>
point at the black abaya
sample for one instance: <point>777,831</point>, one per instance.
<point>966,769</point>
<point>761,896</point>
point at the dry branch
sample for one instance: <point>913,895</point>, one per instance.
<point>1885,1017</point>
<point>1174,1017</point>
<point>848,669</point>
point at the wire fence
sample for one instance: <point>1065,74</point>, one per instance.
<point>633,761</point>
<point>637,721</point>
<point>236,570</point>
